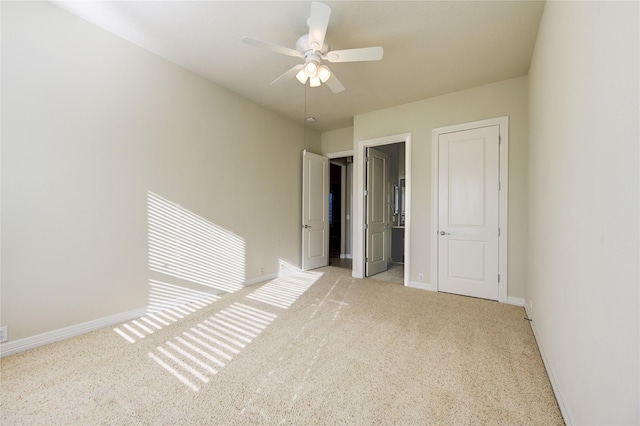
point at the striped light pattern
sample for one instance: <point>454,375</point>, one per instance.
<point>168,304</point>
<point>196,355</point>
<point>187,246</point>
<point>283,291</point>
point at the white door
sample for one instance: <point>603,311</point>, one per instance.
<point>315,211</point>
<point>377,218</point>
<point>468,167</point>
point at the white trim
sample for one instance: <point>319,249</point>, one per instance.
<point>32,342</point>
<point>422,286</point>
<point>555,385</point>
<point>340,154</point>
<point>263,278</point>
<point>503,123</point>
<point>357,213</point>
<point>517,301</point>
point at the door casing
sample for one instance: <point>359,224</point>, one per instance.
<point>503,123</point>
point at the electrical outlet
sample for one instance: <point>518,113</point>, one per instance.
<point>420,277</point>
<point>3,334</point>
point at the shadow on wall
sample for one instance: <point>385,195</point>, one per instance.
<point>186,246</point>
<point>197,260</point>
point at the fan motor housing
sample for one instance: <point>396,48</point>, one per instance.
<point>305,47</point>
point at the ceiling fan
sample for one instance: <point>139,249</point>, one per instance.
<point>313,49</point>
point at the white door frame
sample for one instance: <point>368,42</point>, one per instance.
<point>358,207</point>
<point>503,123</point>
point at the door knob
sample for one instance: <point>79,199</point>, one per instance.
<point>445,233</point>
<point>306,226</point>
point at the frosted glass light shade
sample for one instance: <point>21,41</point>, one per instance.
<point>310,68</point>
<point>302,76</point>
<point>324,74</point>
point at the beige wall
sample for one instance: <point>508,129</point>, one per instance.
<point>420,118</point>
<point>339,140</point>
<point>90,125</point>
<point>583,279</point>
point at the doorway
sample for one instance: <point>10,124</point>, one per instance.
<point>360,255</point>
<point>335,210</point>
<point>384,212</point>
<point>340,204</point>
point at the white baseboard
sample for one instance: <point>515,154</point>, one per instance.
<point>20,345</point>
<point>564,410</point>
<point>422,286</point>
<point>260,279</point>
<point>518,301</point>
<point>32,342</point>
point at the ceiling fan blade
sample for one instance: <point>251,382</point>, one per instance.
<point>355,55</point>
<point>334,84</point>
<point>273,47</point>
<point>288,75</point>
<point>318,22</point>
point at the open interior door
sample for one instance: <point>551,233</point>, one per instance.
<point>377,216</point>
<point>315,211</point>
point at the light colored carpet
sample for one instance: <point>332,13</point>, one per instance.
<point>314,348</point>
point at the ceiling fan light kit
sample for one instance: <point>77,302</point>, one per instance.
<point>313,49</point>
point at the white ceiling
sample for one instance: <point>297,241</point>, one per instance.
<point>430,47</point>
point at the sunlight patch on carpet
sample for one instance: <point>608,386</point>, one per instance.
<point>199,353</point>
<point>168,304</point>
<point>282,292</point>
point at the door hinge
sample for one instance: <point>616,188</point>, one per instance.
<point>366,226</point>
<point>499,185</point>
<point>366,192</point>
<point>498,232</point>
<point>499,139</point>
<point>498,277</point>
<point>366,259</point>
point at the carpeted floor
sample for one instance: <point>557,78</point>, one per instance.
<point>313,348</point>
